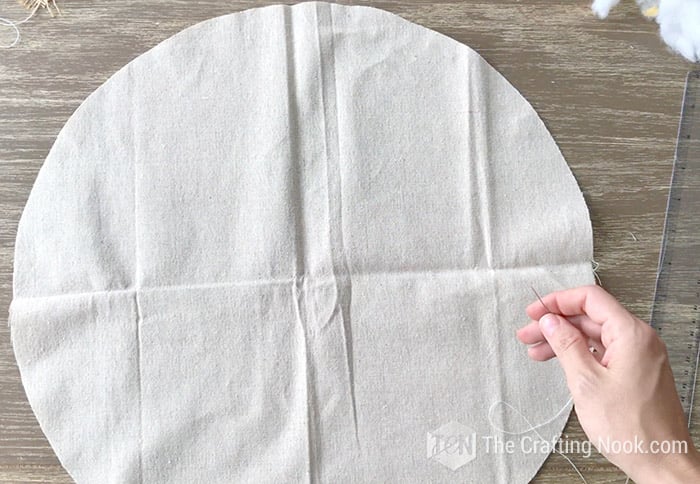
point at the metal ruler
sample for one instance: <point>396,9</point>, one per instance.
<point>676,309</point>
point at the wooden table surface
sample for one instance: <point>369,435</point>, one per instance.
<point>609,92</point>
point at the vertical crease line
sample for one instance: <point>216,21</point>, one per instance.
<point>139,319</point>
<point>499,357</point>
<point>479,134</point>
<point>298,294</point>
<point>483,170</point>
<point>479,169</point>
<point>338,254</point>
<point>137,281</point>
<point>486,212</point>
<point>297,208</point>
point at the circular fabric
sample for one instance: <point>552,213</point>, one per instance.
<point>293,245</point>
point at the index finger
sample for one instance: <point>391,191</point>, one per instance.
<point>593,301</point>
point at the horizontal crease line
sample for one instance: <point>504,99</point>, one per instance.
<point>311,280</point>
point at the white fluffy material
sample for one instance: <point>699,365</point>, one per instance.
<point>602,7</point>
<point>679,24</point>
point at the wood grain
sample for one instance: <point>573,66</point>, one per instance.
<point>608,90</point>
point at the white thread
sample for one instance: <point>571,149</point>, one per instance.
<point>596,265</point>
<point>533,428</point>
<point>15,25</point>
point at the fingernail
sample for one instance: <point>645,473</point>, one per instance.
<point>548,324</point>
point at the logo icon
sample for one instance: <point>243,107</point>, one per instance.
<point>452,445</point>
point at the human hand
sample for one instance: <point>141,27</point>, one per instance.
<point>624,391</point>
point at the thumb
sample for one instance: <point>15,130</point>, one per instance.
<point>570,346</point>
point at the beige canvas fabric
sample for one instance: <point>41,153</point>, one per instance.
<point>293,245</point>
